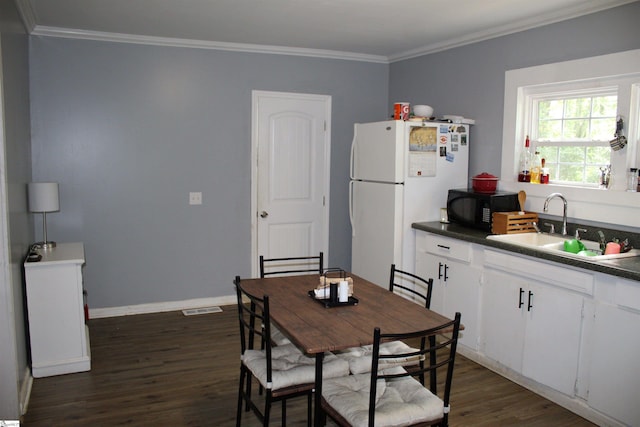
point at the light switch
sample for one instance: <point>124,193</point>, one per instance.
<point>195,198</point>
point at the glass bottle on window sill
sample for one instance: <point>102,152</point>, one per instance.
<point>605,177</point>
<point>544,172</point>
<point>524,171</point>
<point>544,176</point>
<point>632,180</point>
<point>536,168</point>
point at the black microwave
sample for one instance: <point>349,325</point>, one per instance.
<point>466,207</point>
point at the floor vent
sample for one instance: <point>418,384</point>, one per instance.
<point>202,310</point>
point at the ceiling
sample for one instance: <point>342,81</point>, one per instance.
<point>370,30</point>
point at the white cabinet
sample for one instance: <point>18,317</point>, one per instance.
<point>58,335</point>
<point>503,320</point>
<point>456,280</point>
<point>531,326</point>
<point>614,376</point>
<point>552,337</point>
<point>566,333</point>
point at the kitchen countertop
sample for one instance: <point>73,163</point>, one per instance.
<point>628,268</point>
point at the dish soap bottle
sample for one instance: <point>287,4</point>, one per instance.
<point>524,171</point>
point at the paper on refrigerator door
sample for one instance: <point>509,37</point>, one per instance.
<point>423,146</point>
<point>422,164</point>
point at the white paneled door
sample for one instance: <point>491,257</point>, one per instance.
<point>290,182</point>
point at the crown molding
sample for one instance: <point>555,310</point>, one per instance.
<point>593,6</point>
<point>40,30</point>
<point>26,14</point>
<point>511,28</point>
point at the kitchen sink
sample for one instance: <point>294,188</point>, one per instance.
<point>554,243</point>
<point>529,239</point>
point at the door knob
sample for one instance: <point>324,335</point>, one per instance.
<point>264,214</point>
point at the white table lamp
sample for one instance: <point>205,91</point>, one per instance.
<point>43,198</point>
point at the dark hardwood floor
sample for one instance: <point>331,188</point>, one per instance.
<point>168,369</point>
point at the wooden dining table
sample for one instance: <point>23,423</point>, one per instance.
<point>316,329</point>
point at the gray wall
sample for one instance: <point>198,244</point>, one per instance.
<point>469,80</point>
<point>129,130</point>
<point>16,172</point>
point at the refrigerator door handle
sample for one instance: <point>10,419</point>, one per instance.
<point>353,149</point>
<point>353,228</point>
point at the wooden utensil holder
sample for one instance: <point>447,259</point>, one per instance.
<point>513,222</point>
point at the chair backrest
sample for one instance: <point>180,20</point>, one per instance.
<point>291,265</point>
<point>409,284</point>
<point>438,354</point>
<point>255,322</point>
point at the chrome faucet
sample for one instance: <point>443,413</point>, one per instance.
<point>564,210</point>
<point>578,231</point>
<point>535,227</point>
<point>602,241</point>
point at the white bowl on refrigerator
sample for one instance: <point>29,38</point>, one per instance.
<point>422,111</point>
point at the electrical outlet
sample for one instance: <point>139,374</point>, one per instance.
<point>195,198</point>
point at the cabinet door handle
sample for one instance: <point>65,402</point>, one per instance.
<point>444,247</point>
<point>440,270</point>
<point>446,269</point>
<point>529,305</point>
<point>520,302</point>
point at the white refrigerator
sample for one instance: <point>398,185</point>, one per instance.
<point>399,174</point>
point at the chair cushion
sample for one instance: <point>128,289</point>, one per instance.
<point>277,337</point>
<point>399,401</point>
<point>291,367</point>
<point>359,358</point>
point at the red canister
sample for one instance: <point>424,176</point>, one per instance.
<point>401,111</point>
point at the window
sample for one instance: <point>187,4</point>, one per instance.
<point>570,112</point>
<point>571,131</point>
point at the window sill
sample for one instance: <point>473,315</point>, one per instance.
<point>592,204</point>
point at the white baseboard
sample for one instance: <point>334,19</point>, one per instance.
<point>128,310</point>
<point>25,390</point>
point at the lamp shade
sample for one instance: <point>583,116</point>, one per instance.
<point>43,197</point>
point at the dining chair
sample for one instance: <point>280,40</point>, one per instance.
<point>411,286</point>
<point>291,265</point>
<point>285,266</point>
<point>419,289</point>
<point>283,371</point>
<point>407,285</point>
<point>392,396</point>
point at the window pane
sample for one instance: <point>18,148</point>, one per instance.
<point>550,109</point>
<point>600,156</point>
<point>576,129</point>
<point>603,129</point>
<point>578,107</point>
<point>550,154</point>
<point>604,106</point>
<point>571,154</point>
<point>550,130</point>
<point>593,174</point>
<point>570,173</point>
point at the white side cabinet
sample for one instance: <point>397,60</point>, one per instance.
<point>456,281</point>
<point>58,335</point>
